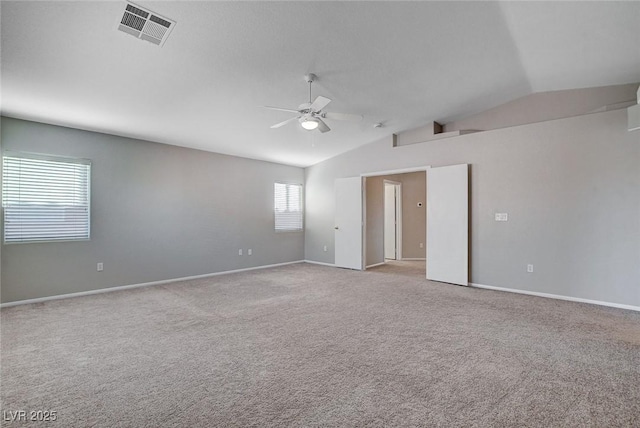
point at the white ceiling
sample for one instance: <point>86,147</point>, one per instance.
<point>399,63</point>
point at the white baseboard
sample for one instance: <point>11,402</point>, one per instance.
<point>374,265</point>
<point>144,284</point>
<point>411,258</point>
<point>319,263</point>
<point>557,297</point>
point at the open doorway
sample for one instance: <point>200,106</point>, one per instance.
<point>444,243</point>
<point>395,222</point>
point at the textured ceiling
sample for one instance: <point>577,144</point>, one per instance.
<point>399,63</point>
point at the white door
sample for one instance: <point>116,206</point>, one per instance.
<point>390,221</point>
<point>348,223</point>
<point>448,224</point>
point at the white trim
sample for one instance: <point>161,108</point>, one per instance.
<point>395,171</point>
<point>374,265</point>
<point>144,284</point>
<point>398,215</point>
<point>557,297</point>
<point>364,223</point>
<point>319,263</point>
<point>413,258</point>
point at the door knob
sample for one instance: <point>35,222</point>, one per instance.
<point>336,228</point>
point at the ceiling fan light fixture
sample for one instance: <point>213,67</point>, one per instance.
<point>309,123</point>
<point>310,115</point>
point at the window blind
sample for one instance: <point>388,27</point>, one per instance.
<point>288,206</point>
<point>45,198</point>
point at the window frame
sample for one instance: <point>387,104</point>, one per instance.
<point>52,158</point>
<point>288,183</point>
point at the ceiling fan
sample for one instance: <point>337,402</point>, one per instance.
<point>310,114</point>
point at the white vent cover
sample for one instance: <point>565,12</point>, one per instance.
<point>145,25</point>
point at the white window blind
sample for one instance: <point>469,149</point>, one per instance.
<point>45,198</point>
<point>288,206</point>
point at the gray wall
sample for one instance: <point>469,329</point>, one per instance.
<point>571,188</point>
<point>157,212</point>
<point>414,227</point>
<point>544,106</point>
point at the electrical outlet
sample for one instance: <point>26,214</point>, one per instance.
<point>325,248</point>
<point>529,268</point>
<point>240,252</point>
<point>421,245</point>
<point>249,252</point>
<point>100,267</point>
<point>502,217</point>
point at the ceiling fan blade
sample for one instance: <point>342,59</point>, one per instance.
<point>278,125</point>
<point>319,103</point>
<point>323,126</point>
<point>343,116</point>
<point>282,109</point>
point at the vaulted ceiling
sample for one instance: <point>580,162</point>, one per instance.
<point>399,63</point>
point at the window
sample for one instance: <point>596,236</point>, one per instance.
<point>288,206</point>
<point>45,198</point>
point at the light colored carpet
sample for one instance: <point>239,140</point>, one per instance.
<point>413,268</point>
<point>306,345</point>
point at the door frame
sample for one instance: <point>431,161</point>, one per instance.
<point>364,202</point>
<point>398,215</point>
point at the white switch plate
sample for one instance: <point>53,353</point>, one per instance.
<point>100,267</point>
<point>502,217</point>
<point>240,252</point>
<point>249,252</point>
<point>529,268</point>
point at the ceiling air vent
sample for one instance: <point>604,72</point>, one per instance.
<point>145,24</point>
